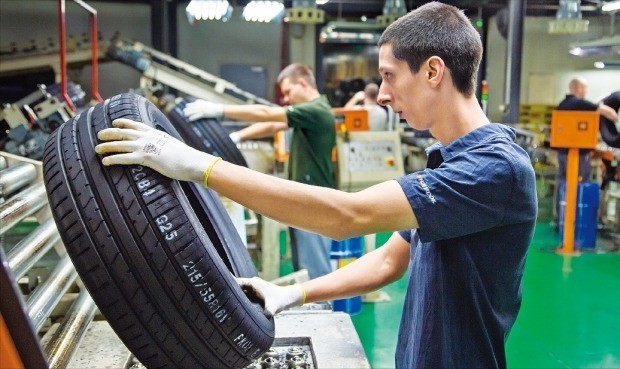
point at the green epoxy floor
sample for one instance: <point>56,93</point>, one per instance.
<point>570,317</point>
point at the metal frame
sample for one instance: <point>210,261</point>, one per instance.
<point>63,51</point>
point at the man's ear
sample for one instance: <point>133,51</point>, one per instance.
<point>435,68</point>
<point>302,81</point>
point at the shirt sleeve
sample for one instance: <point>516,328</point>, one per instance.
<point>467,194</point>
<point>301,116</point>
<point>406,234</point>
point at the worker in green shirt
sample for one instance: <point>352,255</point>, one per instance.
<point>314,135</point>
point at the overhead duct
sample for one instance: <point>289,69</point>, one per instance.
<point>602,46</point>
<point>568,19</point>
<point>342,32</point>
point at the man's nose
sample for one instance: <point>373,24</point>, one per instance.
<point>383,98</point>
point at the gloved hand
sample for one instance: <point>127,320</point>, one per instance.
<point>132,142</point>
<point>203,109</point>
<point>234,137</point>
<point>276,298</point>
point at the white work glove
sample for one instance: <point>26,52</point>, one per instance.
<point>276,298</point>
<point>203,109</point>
<point>132,142</point>
<point>235,137</point>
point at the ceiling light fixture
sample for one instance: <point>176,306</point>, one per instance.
<point>262,11</point>
<point>208,10</point>
<point>611,6</point>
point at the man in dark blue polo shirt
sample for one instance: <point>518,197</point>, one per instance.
<point>468,217</point>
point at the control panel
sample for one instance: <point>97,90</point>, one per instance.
<point>368,158</point>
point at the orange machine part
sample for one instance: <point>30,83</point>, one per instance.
<point>351,119</point>
<point>574,129</point>
<point>279,143</point>
<point>9,358</point>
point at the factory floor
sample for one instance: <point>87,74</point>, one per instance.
<point>570,315</point>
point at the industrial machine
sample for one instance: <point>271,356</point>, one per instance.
<point>157,67</point>
<point>368,158</point>
<point>26,124</point>
<point>364,157</point>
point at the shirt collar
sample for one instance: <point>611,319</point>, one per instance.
<point>473,138</point>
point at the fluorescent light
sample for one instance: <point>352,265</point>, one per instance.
<point>577,51</point>
<point>208,10</point>
<point>611,6</point>
<point>321,2</point>
<point>262,11</point>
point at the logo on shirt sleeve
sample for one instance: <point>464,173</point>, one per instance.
<point>426,189</point>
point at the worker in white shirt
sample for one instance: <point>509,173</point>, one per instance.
<point>377,115</point>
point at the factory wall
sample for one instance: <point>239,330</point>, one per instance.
<point>211,44</point>
<point>547,66</point>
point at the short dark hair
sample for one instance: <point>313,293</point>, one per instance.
<point>437,29</point>
<point>296,71</point>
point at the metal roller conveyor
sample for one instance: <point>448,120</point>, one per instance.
<point>22,205</point>
<point>16,177</point>
<point>63,344</point>
<point>46,296</point>
<point>29,250</point>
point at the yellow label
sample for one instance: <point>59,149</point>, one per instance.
<point>345,261</point>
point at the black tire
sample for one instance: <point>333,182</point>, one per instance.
<point>143,254</point>
<point>206,135</point>
<point>609,132</point>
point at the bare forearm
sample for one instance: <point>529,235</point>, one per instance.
<point>261,130</point>
<point>292,204</point>
<point>387,264</point>
<point>255,113</point>
<point>607,112</point>
<point>332,213</point>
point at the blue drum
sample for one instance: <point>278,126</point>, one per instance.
<point>586,219</point>
<point>345,252</point>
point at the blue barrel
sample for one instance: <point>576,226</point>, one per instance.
<point>345,252</point>
<point>586,219</point>
<point>587,215</point>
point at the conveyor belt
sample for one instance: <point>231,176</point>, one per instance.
<point>182,76</point>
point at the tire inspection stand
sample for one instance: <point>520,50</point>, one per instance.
<point>572,130</point>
